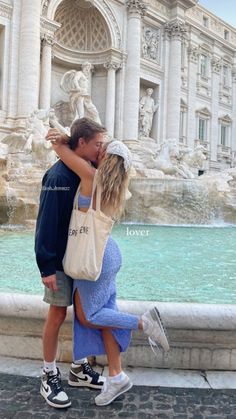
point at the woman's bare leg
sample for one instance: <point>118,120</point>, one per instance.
<point>113,352</point>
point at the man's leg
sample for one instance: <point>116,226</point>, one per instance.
<point>51,387</point>
<point>55,318</point>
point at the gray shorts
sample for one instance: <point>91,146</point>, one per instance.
<point>62,297</point>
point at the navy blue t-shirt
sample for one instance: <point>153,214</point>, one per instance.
<point>59,186</point>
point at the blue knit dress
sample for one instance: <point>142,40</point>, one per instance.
<point>98,299</point>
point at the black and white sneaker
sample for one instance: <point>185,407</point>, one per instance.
<point>84,376</point>
<point>52,391</point>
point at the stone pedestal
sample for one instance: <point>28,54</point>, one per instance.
<point>136,10</point>
<point>175,32</point>
<point>29,59</point>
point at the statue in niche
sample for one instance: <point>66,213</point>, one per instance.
<point>150,44</point>
<point>76,84</point>
<point>147,108</point>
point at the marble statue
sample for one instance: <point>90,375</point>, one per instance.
<point>147,108</point>
<point>32,140</point>
<point>76,84</point>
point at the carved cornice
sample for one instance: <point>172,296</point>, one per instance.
<point>216,65</point>
<point>175,29</point>
<point>137,7</point>
<point>6,10</point>
<point>114,65</point>
<point>49,26</point>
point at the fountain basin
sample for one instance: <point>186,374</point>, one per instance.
<point>202,336</point>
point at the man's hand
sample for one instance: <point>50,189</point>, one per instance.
<point>56,137</point>
<point>50,282</point>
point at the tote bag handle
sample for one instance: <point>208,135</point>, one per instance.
<point>98,195</point>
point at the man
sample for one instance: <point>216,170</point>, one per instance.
<point>59,186</point>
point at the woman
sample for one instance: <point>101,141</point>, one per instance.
<point>98,323</point>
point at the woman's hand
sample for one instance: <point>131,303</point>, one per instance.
<point>56,137</point>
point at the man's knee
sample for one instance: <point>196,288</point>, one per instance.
<point>56,315</point>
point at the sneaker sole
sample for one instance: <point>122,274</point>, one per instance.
<point>83,384</point>
<point>166,345</point>
<point>126,388</point>
<point>58,406</point>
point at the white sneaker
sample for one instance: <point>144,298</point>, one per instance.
<point>155,330</point>
<point>52,391</point>
<point>111,391</point>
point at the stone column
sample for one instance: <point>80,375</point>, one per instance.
<point>46,70</point>
<point>193,54</point>
<point>215,67</point>
<point>175,31</point>
<point>111,96</point>
<point>13,62</point>
<point>29,59</point>
<point>136,10</point>
<point>233,132</point>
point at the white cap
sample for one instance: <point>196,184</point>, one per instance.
<point>119,148</point>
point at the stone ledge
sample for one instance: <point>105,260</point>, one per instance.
<point>200,334</point>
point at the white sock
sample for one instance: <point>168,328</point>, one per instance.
<point>50,366</point>
<point>80,361</point>
<point>118,378</point>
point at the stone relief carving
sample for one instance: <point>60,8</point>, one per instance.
<point>5,10</point>
<point>147,108</point>
<point>150,43</point>
<point>216,64</point>
<point>193,53</point>
<point>76,84</point>
<point>45,4</point>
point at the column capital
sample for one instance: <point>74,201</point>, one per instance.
<point>112,65</point>
<point>136,7</point>
<point>193,53</point>
<point>47,39</point>
<point>175,29</point>
<point>216,65</point>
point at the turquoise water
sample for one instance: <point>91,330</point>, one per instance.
<point>179,264</point>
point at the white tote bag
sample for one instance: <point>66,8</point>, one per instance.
<point>87,238</point>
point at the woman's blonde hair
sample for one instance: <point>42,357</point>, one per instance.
<point>114,181</point>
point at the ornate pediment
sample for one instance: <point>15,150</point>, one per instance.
<point>204,112</point>
<point>225,119</point>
